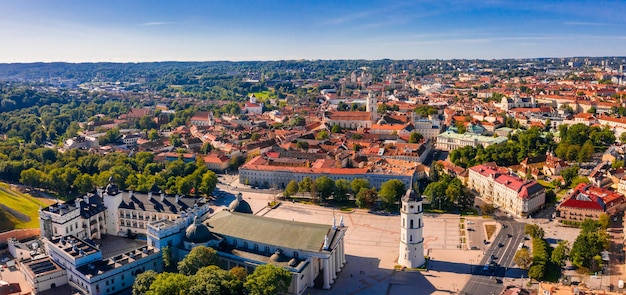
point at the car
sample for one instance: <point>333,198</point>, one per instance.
<point>474,248</point>
<point>504,226</point>
<point>498,281</point>
<point>485,242</point>
<point>470,229</point>
<point>470,222</point>
<point>509,235</point>
<point>486,267</point>
<point>493,257</point>
<point>500,245</point>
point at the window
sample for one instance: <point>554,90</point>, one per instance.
<point>411,238</point>
<point>411,226</point>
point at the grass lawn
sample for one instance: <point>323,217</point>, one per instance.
<point>263,95</point>
<point>23,203</point>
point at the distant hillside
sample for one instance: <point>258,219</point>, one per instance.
<point>18,210</point>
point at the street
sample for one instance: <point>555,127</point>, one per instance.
<point>491,281</point>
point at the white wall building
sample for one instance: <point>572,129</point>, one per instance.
<point>513,194</point>
<point>411,231</point>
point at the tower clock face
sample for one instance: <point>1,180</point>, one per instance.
<point>411,207</point>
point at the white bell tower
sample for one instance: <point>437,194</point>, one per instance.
<point>371,106</point>
<point>412,224</point>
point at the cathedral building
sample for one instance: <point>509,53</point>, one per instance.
<point>72,231</point>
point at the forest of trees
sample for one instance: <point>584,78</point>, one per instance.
<point>199,273</point>
<point>76,172</point>
<point>578,143</point>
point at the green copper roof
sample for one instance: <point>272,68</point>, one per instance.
<point>271,231</point>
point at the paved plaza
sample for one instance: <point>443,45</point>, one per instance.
<point>372,246</point>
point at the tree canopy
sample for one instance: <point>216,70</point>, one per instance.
<point>268,280</point>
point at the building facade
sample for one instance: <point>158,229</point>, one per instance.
<point>450,140</point>
<point>512,194</point>
<point>587,201</point>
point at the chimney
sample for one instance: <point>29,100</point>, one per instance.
<point>177,197</point>
<point>162,197</point>
<point>149,195</point>
<point>130,194</point>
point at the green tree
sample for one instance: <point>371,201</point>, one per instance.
<point>238,276</point>
<point>342,188</point>
<point>325,187</point>
<point>184,185</point>
<point>303,145</point>
<point>622,137</point>
<point>146,123</point>
<point>589,226</point>
<point>436,193</point>
<point>255,136</point>
<point>208,182</point>
<point>591,110</point>
<point>415,137</point>
<point>198,258</point>
<point>560,254</point>
<point>522,258</point>
<point>153,135</point>
<point>603,221</point>
<point>537,271</point>
<point>358,183</point>
<point>169,284</point>
<point>305,185</point>
<point>111,136</point>
<point>211,280</point>
<point>206,148</point>
<point>366,198</point>
<point>268,279</point>
<point>291,189</point>
<point>84,183</point>
<point>586,151</point>
<point>588,245</point>
<point>336,129</point>
<point>322,135</point>
<point>569,174</point>
<point>175,140</point>
<point>534,231</point>
<point>297,121</point>
<point>143,281</point>
<point>391,191</point>
<point>32,177</point>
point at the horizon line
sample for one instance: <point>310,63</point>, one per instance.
<point>308,59</point>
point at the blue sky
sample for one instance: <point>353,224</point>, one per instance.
<point>135,31</point>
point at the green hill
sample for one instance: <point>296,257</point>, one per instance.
<point>18,210</point>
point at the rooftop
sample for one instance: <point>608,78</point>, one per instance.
<point>270,231</point>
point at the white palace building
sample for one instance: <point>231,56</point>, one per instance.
<point>74,236</point>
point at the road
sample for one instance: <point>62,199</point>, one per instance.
<point>484,282</point>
